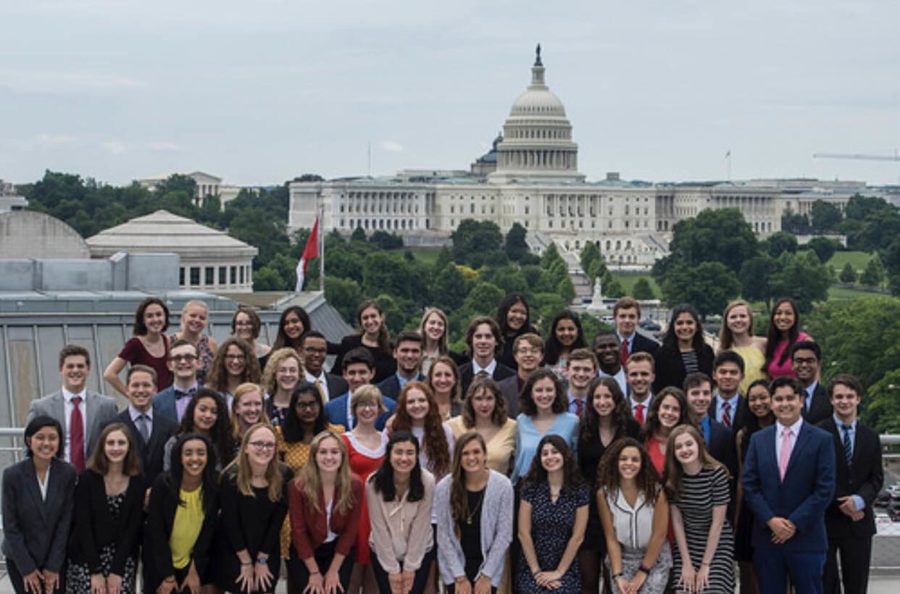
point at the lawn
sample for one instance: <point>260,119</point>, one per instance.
<point>426,255</point>
<point>858,260</point>
<point>843,294</point>
<point>628,280</point>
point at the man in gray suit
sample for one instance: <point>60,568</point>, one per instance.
<point>82,413</point>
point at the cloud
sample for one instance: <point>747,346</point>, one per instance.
<point>391,146</point>
<point>164,147</point>
<point>49,81</point>
<point>52,141</point>
<point>114,147</point>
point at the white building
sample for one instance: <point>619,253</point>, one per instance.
<point>531,177</point>
<point>9,199</point>
<point>207,185</point>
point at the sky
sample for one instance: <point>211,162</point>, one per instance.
<point>259,92</point>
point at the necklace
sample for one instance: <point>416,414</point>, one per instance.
<point>471,515</point>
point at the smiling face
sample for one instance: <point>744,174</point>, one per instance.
<point>141,389</point>
<point>669,411</point>
<point>74,373</point>
<point>205,414</point>
<point>543,393</point>
<point>154,318</point>
<point>581,372</point>
<point>329,455</point>
<point>738,320</point>
<point>44,444</point>
<point>687,451</point>
<point>685,327</point>
<point>408,354</point>
<point>293,326</point>
<point>357,374</point>
<point>728,377</point>
<point>261,447</point>
<point>516,316</point>
<point>759,401</point>
<point>443,378</point>
<point>483,403</point>
<point>845,402</point>
<point>115,448</point>
<point>307,408</point>
<point>249,408</point>
<point>235,361</point>
<point>603,401</point>
<point>699,399</point>
<point>193,458</point>
<point>287,374</point>
<point>484,342</point>
<point>473,457</point>
<point>528,357</point>
<point>606,347</point>
<point>626,320</point>
<point>371,320</point>
<point>566,332</point>
<point>403,457</point>
<point>551,458</point>
<point>314,350</point>
<point>183,363</point>
<point>416,404</point>
<point>787,405</point>
<point>434,327</point>
<point>805,365</point>
<point>640,378</point>
<point>629,462</point>
<point>243,327</point>
<point>367,412</point>
<point>784,317</point>
<point>193,320</point>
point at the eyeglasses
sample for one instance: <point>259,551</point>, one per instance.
<point>179,358</point>
<point>805,360</point>
<point>307,405</point>
<point>263,445</point>
<point>314,350</point>
<point>367,405</point>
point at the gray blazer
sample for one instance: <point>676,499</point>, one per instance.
<point>496,529</point>
<point>36,531</point>
<point>100,411</point>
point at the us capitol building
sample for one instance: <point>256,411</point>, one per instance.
<point>531,177</point>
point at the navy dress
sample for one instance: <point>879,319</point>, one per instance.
<point>551,529</point>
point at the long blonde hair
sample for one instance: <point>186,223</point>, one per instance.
<point>273,471</point>
<point>726,337</point>
<point>239,393</point>
<point>275,359</point>
<point>311,483</point>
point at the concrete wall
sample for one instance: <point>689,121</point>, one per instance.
<point>122,272</point>
<point>28,234</point>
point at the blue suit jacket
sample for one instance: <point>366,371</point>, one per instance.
<point>804,495</point>
<point>390,387</point>
<point>164,404</point>
<point>336,411</point>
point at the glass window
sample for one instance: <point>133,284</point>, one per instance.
<point>233,275</point>
<point>195,276</point>
<point>223,275</point>
<point>210,273</point>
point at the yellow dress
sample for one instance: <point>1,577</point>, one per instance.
<point>754,359</point>
<point>186,527</point>
<point>501,448</point>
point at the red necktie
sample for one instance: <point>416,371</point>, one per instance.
<point>726,414</point>
<point>76,436</point>
<point>579,406</point>
<point>639,413</point>
<point>624,351</point>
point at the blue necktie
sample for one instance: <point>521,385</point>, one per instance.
<point>848,446</point>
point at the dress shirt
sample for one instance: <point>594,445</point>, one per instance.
<point>627,339</point>
<point>633,404</point>
<point>488,370</point>
<point>857,500</point>
<point>323,383</point>
<point>619,377</point>
<point>779,435</point>
<point>573,408</point>
<point>135,415</point>
<point>732,403</point>
<point>704,425</point>
<point>810,390</point>
<point>69,407</point>
<point>182,399</point>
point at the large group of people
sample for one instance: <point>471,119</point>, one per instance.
<point>530,464</point>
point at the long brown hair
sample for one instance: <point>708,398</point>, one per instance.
<point>498,415</point>
<point>537,473</point>
<point>674,470</point>
<point>434,442</point>
<point>244,473</point>
<point>608,470</point>
<point>459,499</point>
<point>384,338</point>
<point>456,392</point>
<point>99,463</point>
<point>217,379</point>
<point>310,482</point>
<point>590,421</point>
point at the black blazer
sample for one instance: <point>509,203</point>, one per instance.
<point>741,415</point>
<point>336,385</point>
<point>391,386</point>
<point>670,368</point>
<point>820,408</point>
<point>36,531</point>
<point>509,387</point>
<point>385,366</point>
<point>152,453</point>
<point>864,477</point>
<point>466,375</point>
<point>156,554</point>
<point>644,344</point>
<point>94,527</point>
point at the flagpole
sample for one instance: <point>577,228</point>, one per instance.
<point>321,248</point>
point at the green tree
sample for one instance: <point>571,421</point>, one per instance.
<point>555,274</point>
<point>891,261</point>
<point>823,247</point>
<point>592,261</point>
<point>873,274</point>
<point>755,278</point>
<point>473,241</point>
<point>385,240</point>
<point>643,290</point>
<point>449,288</point>
<point>848,274</point>
<point>719,235</point>
<point>802,276</point>
<point>344,295</point>
<point>825,216</point>
<point>708,287</point>
<point>611,285</point>
<point>482,299</point>
<point>515,245</point>
<point>780,242</point>
<point>358,235</point>
<point>794,223</point>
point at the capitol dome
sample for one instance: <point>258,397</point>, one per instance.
<point>537,136</point>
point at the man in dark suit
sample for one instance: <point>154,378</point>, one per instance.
<point>408,355</point>
<point>719,439</point>
<point>639,370</point>
<point>627,315</point>
<point>806,360</point>
<point>849,520</point>
<point>483,343</point>
<point>358,370</point>
<point>314,349</point>
<point>81,412</point>
<point>149,432</point>
<point>728,406</point>
<point>528,351</point>
<point>789,481</point>
<point>184,364</point>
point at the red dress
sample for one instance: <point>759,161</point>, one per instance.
<point>363,462</point>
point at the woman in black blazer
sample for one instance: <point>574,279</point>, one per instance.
<point>109,497</point>
<point>37,511</point>
<point>254,504</point>
<point>683,350</point>
<point>181,519</point>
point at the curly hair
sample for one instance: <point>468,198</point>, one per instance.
<point>220,433</point>
<point>217,379</point>
<point>209,481</point>
<point>526,402</point>
<point>435,444</point>
<point>276,358</point>
<point>538,474</point>
<point>608,477</point>
<point>589,429</point>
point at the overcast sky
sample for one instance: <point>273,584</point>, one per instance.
<point>260,91</point>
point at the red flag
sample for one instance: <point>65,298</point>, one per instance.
<point>310,251</point>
